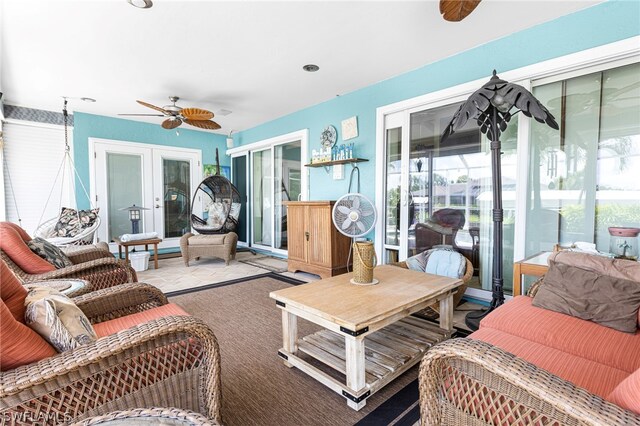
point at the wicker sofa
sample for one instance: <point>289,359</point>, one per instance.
<point>148,353</point>
<point>529,365</point>
<point>94,264</point>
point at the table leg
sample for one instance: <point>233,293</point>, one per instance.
<point>155,255</point>
<point>126,254</point>
<point>446,312</point>
<point>289,334</point>
<point>354,347</point>
<point>517,278</point>
<point>119,252</point>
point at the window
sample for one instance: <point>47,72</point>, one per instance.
<point>584,178</point>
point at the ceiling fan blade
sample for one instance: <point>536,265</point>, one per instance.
<point>145,115</point>
<point>457,10</point>
<point>171,123</point>
<point>164,111</point>
<point>196,114</point>
<point>203,124</point>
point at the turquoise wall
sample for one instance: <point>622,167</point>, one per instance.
<point>601,24</point>
<point>97,126</point>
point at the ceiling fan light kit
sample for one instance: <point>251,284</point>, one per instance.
<point>176,115</point>
<point>141,4</point>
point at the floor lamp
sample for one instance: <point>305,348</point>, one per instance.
<point>490,106</point>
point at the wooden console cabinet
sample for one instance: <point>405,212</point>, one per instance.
<point>314,244</point>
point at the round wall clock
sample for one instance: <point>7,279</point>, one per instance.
<point>328,137</point>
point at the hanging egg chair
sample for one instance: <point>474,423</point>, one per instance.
<point>220,205</point>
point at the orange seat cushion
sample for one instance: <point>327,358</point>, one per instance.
<point>12,292</point>
<point>115,325</point>
<point>19,345</point>
<point>627,393</point>
<point>12,244</point>
<point>584,339</point>
<point>23,234</point>
<point>597,378</point>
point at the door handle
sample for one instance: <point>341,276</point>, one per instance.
<point>158,206</point>
<point>306,234</point>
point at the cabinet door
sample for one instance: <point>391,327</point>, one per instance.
<point>319,226</point>
<point>296,229</point>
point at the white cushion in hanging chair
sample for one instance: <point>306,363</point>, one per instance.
<point>218,212</point>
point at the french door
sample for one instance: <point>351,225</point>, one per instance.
<point>162,180</point>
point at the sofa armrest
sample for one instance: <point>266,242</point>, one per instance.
<point>118,301</point>
<point>478,383</point>
<point>149,362</point>
<point>88,254</point>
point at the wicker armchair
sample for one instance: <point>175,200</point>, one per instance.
<point>164,416</point>
<point>471,382</point>
<point>215,245</point>
<point>101,272</point>
<point>457,296</point>
<point>173,361</point>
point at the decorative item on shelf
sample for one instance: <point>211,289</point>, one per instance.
<point>342,152</point>
<point>134,217</point>
<point>490,106</point>
<point>350,128</point>
<point>328,137</point>
<point>623,242</point>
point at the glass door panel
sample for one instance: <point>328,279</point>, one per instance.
<point>124,189</point>
<point>262,190</point>
<point>239,179</point>
<point>583,179</point>
<point>393,163</point>
<point>286,186</point>
<point>449,191</point>
<point>176,185</point>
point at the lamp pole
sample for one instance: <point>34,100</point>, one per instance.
<point>490,106</point>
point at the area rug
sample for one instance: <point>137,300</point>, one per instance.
<point>257,388</point>
<point>270,263</point>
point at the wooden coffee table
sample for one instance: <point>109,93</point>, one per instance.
<point>369,335</point>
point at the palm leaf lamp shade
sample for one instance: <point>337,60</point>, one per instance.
<point>491,107</point>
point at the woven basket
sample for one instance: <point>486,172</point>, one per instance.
<point>364,261</point>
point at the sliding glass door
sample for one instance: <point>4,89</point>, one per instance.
<point>262,196</point>
<point>275,178</point>
<point>440,194</point>
<point>584,178</point>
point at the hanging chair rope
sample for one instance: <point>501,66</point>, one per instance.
<point>73,172</point>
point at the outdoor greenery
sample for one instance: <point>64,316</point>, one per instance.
<point>606,215</point>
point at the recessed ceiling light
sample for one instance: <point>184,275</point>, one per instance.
<point>87,99</point>
<point>311,68</point>
<point>142,4</point>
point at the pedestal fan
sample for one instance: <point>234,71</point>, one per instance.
<point>354,215</point>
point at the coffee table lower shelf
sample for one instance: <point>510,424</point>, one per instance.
<point>389,352</point>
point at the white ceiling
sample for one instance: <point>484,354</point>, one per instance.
<point>242,56</point>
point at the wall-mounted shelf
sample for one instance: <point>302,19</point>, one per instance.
<point>336,162</point>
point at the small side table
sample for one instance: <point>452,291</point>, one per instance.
<point>536,265</point>
<point>145,243</point>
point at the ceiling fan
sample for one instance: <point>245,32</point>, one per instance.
<point>177,115</point>
<point>457,10</point>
